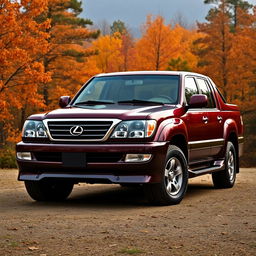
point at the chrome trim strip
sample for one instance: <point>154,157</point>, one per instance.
<point>115,122</point>
<point>110,177</point>
<point>206,143</point>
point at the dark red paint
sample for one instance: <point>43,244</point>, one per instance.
<point>201,133</point>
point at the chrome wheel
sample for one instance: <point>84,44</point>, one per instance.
<point>174,179</point>
<point>231,165</point>
<point>173,176</point>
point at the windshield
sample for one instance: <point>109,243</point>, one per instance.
<point>136,89</point>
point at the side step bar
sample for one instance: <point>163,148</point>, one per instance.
<point>217,166</point>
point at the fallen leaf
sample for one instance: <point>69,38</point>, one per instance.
<point>33,248</point>
<point>144,231</point>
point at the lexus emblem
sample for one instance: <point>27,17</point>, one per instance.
<point>76,130</point>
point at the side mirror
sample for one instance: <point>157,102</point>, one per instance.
<point>198,101</point>
<point>64,101</point>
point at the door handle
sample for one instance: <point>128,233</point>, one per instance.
<point>205,119</point>
<point>219,118</point>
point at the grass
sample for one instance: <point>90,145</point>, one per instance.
<point>13,244</point>
<point>131,251</point>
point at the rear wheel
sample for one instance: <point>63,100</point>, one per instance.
<point>173,185</point>
<point>49,190</point>
<point>227,177</point>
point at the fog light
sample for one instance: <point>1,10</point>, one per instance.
<point>137,157</point>
<point>24,155</point>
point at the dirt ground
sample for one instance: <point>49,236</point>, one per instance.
<point>111,220</point>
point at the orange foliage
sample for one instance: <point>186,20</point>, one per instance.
<point>109,57</point>
<point>215,47</point>
<point>23,42</point>
<point>157,45</point>
<point>229,56</point>
<point>242,62</point>
<point>185,40</point>
<point>160,43</point>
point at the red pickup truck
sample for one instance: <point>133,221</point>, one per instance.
<point>155,129</point>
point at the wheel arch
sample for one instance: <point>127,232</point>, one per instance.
<point>231,134</point>
<point>174,130</point>
<point>180,141</point>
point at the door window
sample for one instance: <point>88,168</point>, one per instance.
<point>204,89</point>
<point>190,88</point>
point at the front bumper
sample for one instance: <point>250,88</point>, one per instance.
<point>95,171</point>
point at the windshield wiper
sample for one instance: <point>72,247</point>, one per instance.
<point>141,101</point>
<point>93,102</point>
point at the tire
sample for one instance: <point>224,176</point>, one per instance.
<point>49,190</point>
<point>227,177</point>
<point>173,185</point>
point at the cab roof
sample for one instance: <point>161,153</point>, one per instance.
<point>179,73</point>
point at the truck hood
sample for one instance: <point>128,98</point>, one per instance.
<point>118,111</point>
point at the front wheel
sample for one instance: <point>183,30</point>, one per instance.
<point>48,190</point>
<point>173,185</point>
<point>227,177</point>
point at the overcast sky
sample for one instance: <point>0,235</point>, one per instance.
<point>134,12</point>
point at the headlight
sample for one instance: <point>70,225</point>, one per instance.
<point>134,129</point>
<point>34,129</point>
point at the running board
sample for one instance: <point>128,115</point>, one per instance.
<point>217,166</point>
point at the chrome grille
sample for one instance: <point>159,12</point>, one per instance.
<point>91,130</point>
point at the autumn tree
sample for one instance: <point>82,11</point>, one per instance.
<point>214,46</point>
<point>163,45</point>
<point>233,8</point>
<point>185,39</point>
<point>23,43</point>
<point>119,28</point>
<point>157,45</point>
<point>127,50</point>
<point>242,62</point>
<point>108,49</point>
<point>222,51</point>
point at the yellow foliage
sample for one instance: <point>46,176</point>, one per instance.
<point>109,57</point>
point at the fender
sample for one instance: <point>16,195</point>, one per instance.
<point>171,127</point>
<point>229,127</point>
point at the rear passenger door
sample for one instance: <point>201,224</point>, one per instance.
<point>196,120</point>
<point>215,122</point>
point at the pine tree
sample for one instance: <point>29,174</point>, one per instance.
<point>67,55</point>
<point>233,5</point>
<point>118,26</point>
